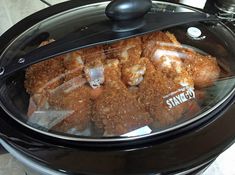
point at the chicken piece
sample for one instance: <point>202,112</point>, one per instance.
<point>204,69</point>
<point>173,39</point>
<point>94,55</point>
<point>155,93</point>
<point>173,67</point>
<point>133,69</point>
<point>129,52</point>
<point>88,61</point>
<point>120,49</point>
<point>150,41</point>
<point>184,65</point>
<point>74,65</point>
<point>163,50</point>
<point>134,75</point>
<point>113,75</point>
<point>77,100</point>
<point>116,111</point>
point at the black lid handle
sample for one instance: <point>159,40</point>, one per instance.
<point>119,10</point>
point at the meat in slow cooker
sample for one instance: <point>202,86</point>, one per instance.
<point>116,88</point>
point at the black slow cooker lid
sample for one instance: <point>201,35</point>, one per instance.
<point>92,78</point>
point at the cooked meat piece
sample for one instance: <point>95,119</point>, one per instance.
<point>150,41</point>
<point>74,65</point>
<point>140,81</point>
<point>88,58</point>
<point>77,100</point>
<point>88,62</point>
<point>152,91</point>
<point>164,51</point>
<point>133,75</point>
<point>184,65</point>
<point>204,69</point>
<point>173,67</point>
<point>43,43</point>
<point>120,49</point>
<point>133,69</point>
<point>43,76</point>
<point>95,75</point>
<point>173,39</point>
<point>94,55</point>
<point>128,52</point>
<point>117,111</point>
<point>113,74</point>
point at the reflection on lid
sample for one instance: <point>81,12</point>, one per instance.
<point>48,118</point>
<point>138,132</point>
<point>114,89</point>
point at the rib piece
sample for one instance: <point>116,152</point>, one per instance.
<point>44,75</point>
<point>163,49</point>
<point>86,62</point>
<point>74,65</point>
<point>184,65</point>
<point>117,111</point>
<point>204,69</point>
<point>134,69</point>
<point>78,100</point>
<point>129,53</point>
<point>119,50</point>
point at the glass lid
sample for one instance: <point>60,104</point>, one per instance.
<point>142,85</point>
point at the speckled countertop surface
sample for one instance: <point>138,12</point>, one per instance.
<point>12,11</point>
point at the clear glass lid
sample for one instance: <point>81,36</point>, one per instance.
<point>143,85</point>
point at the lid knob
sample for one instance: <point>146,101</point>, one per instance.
<point>119,10</point>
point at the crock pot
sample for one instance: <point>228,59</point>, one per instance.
<point>121,87</point>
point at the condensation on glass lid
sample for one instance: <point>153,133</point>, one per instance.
<point>128,88</point>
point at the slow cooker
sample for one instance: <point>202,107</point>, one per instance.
<point>117,87</point>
